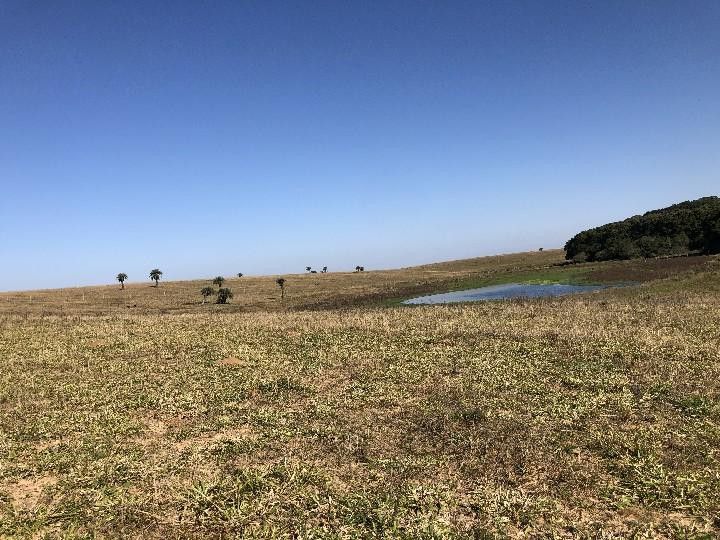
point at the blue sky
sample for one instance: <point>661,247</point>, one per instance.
<point>210,138</point>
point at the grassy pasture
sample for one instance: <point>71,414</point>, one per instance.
<point>333,289</point>
<point>594,416</point>
<point>336,289</point>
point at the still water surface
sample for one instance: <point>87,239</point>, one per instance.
<point>500,292</point>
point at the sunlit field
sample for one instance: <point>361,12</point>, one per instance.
<point>339,414</point>
<point>336,289</point>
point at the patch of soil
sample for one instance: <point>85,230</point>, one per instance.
<point>243,432</point>
<point>28,492</point>
<point>156,429</point>
<point>47,445</point>
<point>230,361</point>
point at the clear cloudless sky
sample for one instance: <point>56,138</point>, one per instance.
<point>210,138</point>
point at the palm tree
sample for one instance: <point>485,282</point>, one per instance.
<point>224,295</point>
<point>219,281</point>
<point>324,270</point>
<point>121,277</point>
<point>240,274</point>
<point>281,284</point>
<point>155,275</point>
<point>207,291</point>
<point>308,268</point>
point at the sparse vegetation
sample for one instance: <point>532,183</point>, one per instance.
<point>580,417</point>
<point>281,283</point>
<point>219,280</point>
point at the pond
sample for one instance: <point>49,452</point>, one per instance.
<point>501,292</point>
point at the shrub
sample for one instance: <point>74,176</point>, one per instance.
<point>224,295</point>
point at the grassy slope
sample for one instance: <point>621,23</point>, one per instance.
<point>261,293</point>
<point>335,290</point>
<point>586,416</point>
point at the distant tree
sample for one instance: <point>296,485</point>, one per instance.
<point>357,268</point>
<point>207,292</point>
<point>240,274</point>
<point>324,270</point>
<point>281,284</point>
<point>121,277</point>
<point>313,271</point>
<point>541,249</point>
<point>155,275</point>
<point>362,268</point>
<point>219,281</point>
<point>224,295</point>
<point>308,268</point>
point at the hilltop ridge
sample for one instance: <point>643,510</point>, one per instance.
<point>686,227</point>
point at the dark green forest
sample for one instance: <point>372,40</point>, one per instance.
<point>688,227</point>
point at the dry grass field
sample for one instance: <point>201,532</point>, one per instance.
<point>339,414</point>
<point>335,289</point>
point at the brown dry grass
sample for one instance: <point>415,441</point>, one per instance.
<point>262,293</point>
<point>593,416</point>
<point>336,289</point>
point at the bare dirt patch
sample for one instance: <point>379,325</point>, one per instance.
<point>157,429</point>
<point>28,492</point>
<point>47,445</point>
<point>230,361</point>
<point>206,439</point>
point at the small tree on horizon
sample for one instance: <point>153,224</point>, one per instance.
<point>219,281</point>
<point>308,268</point>
<point>240,274</point>
<point>155,275</point>
<point>206,292</point>
<point>281,284</point>
<point>324,270</point>
<point>223,296</point>
<point>121,277</point>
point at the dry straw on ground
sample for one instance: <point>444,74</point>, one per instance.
<point>593,416</point>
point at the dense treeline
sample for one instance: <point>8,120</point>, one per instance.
<point>692,226</point>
